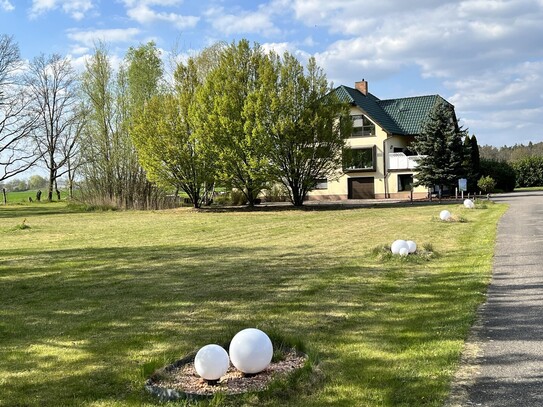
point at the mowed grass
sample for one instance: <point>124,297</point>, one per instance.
<point>93,303</point>
<point>21,197</point>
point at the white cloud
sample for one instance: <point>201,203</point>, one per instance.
<point>143,14</point>
<point>77,9</point>
<point>113,35</point>
<point>6,5</point>
<point>242,21</point>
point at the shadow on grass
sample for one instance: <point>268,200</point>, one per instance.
<point>92,324</point>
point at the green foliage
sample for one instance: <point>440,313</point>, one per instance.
<point>486,184</point>
<point>472,162</point>
<point>502,172</point>
<point>227,117</point>
<point>440,142</point>
<point>36,182</point>
<point>529,171</point>
<point>307,125</point>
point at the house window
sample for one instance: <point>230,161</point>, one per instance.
<point>362,126</point>
<point>359,159</point>
<point>322,183</point>
<point>405,182</point>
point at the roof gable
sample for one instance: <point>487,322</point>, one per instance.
<point>403,116</point>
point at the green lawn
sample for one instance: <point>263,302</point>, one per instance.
<point>93,303</point>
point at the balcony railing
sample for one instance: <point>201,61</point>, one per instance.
<point>400,161</point>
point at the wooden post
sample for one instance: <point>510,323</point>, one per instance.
<point>5,197</point>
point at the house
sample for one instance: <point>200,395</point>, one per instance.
<point>379,163</point>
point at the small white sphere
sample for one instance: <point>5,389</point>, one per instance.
<point>468,203</point>
<point>211,362</point>
<point>251,350</point>
<point>397,245</point>
<point>404,251</point>
<point>411,246</point>
<point>444,215</point>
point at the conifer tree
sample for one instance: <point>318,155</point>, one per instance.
<point>440,142</point>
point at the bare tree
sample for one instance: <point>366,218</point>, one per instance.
<point>17,152</point>
<point>52,84</point>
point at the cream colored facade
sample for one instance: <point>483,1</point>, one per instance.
<point>384,179</point>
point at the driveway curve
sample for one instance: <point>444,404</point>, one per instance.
<point>506,368</point>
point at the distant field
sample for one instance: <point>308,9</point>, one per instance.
<point>20,197</point>
<point>94,302</point>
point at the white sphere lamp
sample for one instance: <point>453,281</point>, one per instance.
<point>468,203</point>
<point>404,251</point>
<point>444,215</point>
<point>411,246</point>
<point>397,245</point>
<point>251,351</point>
<point>211,362</point>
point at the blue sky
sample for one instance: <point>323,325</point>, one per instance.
<point>484,56</point>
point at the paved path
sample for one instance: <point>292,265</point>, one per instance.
<point>509,337</point>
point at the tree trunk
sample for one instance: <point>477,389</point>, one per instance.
<point>4,196</point>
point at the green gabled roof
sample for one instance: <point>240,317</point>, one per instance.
<point>369,104</point>
<point>403,116</point>
<point>410,113</point>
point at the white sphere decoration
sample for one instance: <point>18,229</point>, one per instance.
<point>444,215</point>
<point>411,246</point>
<point>468,203</point>
<point>404,251</point>
<point>251,350</point>
<point>211,362</point>
<point>397,245</point>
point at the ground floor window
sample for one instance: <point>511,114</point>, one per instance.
<point>405,182</point>
<point>322,183</point>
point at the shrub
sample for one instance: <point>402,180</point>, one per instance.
<point>502,172</point>
<point>486,184</point>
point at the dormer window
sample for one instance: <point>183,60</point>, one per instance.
<point>362,126</point>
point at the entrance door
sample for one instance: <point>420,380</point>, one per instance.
<point>361,188</point>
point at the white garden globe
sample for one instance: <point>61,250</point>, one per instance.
<point>468,203</point>
<point>211,362</point>
<point>411,246</point>
<point>251,350</point>
<point>444,215</point>
<point>404,251</point>
<point>397,245</point>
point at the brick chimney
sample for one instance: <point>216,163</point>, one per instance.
<point>362,86</point>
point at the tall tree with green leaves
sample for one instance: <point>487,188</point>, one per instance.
<point>227,119</point>
<point>440,142</point>
<point>306,123</point>
<point>472,162</point>
<point>168,146</point>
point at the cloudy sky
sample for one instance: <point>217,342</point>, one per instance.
<point>484,56</point>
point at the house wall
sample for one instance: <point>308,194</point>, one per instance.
<point>338,184</point>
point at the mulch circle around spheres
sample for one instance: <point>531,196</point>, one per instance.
<point>180,380</point>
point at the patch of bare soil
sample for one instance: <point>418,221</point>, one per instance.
<point>181,380</point>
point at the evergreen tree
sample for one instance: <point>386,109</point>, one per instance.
<point>472,162</point>
<point>440,142</point>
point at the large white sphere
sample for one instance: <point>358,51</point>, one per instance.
<point>251,350</point>
<point>412,246</point>
<point>397,245</point>
<point>444,214</point>
<point>404,251</point>
<point>468,203</point>
<point>211,362</point>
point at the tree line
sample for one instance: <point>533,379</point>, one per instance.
<point>231,116</point>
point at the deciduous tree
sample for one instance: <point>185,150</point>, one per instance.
<point>306,123</point>
<point>17,122</point>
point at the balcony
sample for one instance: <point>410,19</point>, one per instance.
<point>400,161</point>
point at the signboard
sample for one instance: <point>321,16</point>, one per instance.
<point>462,184</point>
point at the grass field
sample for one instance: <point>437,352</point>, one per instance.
<point>22,196</point>
<point>93,303</point>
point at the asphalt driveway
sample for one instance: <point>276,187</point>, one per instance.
<point>506,367</point>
